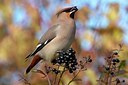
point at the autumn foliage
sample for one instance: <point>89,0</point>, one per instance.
<point>101,35</point>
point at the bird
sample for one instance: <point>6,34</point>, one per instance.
<point>58,37</point>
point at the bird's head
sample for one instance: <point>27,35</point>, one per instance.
<point>70,11</point>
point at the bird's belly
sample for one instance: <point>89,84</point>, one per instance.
<point>57,44</point>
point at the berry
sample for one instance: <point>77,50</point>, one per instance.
<point>62,61</point>
<point>90,60</point>
<point>69,54</point>
<point>112,73</point>
<point>54,61</point>
<point>113,60</point>
<point>114,63</point>
<point>67,66</point>
<point>53,69</point>
<point>117,81</point>
<point>115,53</point>
<point>57,71</point>
<point>123,80</point>
<point>64,53</point>
<point>66,56</point>
<point>117,60</point>
<point>59,62</point>
<point>70,70</point>
<point>75,63</point>
<point>73,68</point>
<point>71,50</point>
<point>107,68</point>
<point>68,59</point>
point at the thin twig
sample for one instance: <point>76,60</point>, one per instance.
<point>24,80</point>
<point>108,74</point>
<point>45,75</point>
<point>110,80</point>
<point>74,77</point>
<point>61,75</point>
<point>56,76</point>
<point>49,82</point>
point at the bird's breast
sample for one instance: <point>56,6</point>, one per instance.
<point>57,44</point>
<point>64,37</point>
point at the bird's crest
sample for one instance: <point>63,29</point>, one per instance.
<point>69,9</point>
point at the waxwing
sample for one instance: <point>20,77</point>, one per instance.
<point>59,37</point>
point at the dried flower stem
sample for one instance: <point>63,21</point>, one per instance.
<point>74,77</point>
<point>24,80</point>
<point>61,75</point>
<point>49,82</point>
<point>110,66</point>
<point>56,76</point>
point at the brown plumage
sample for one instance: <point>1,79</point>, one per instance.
<point>59,37</point>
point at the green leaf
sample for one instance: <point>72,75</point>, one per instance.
<point>122,64</point>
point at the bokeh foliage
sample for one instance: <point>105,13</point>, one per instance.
<point>23,22</point>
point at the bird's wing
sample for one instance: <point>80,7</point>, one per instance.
<point>45,39</point>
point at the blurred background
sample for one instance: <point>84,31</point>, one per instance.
<point>101,26</point>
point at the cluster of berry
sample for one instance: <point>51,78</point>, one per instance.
<point>112,67</point>
<point>118,81</point>
<point>68,59</point>
<point>115,61</point>
<point>55,71</point>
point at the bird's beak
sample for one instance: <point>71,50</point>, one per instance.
<point>74,8</point>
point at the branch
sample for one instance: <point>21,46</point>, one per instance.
<point>61,75</point>
<point>74,77</point>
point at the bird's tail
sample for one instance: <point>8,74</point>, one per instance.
<point>35,60</point>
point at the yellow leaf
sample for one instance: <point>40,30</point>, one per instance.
<point>92,76</point>
<point>66,80</point>
<point>113,13</point>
